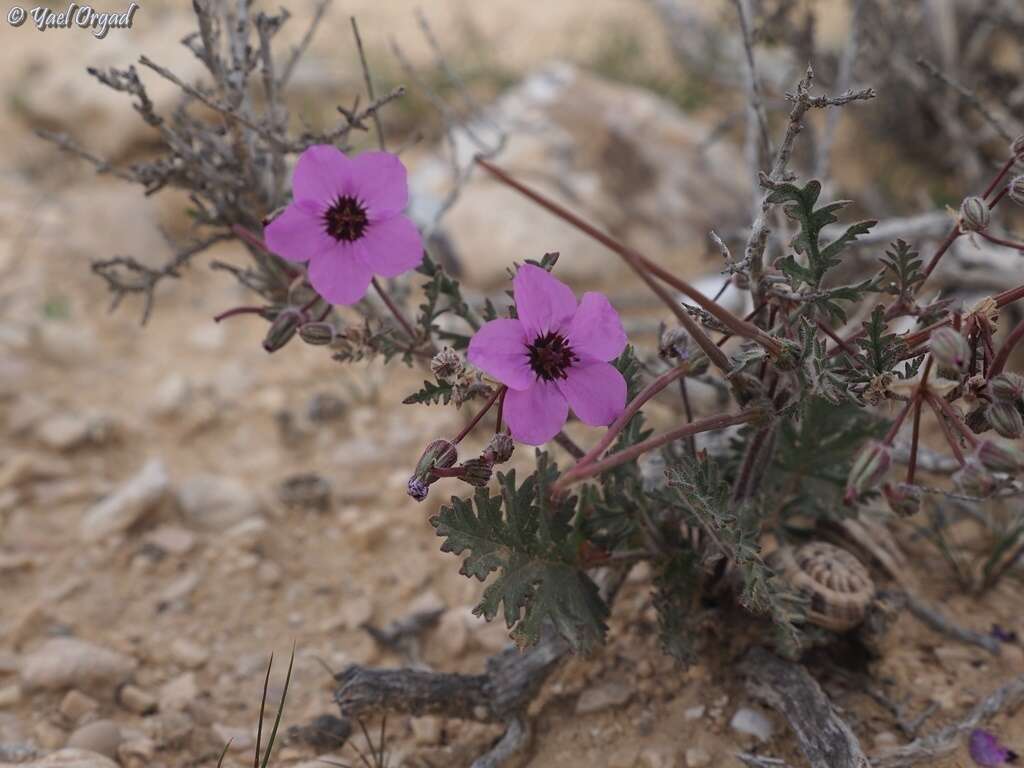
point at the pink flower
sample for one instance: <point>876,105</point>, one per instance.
<point>346,221</point>
<point>553,356</point>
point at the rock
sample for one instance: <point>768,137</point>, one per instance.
<point>137,700</point>
<point>695,713</point>
<point>66,662</point>
<point>177,694</point>
<point>354,613</point>
<point>306,490</point>
<point>72,758</point>
<point>697,757</point>
<point>188,654</point>
<point>324,407</point>
<point>171,396</point>
<point>68,431</point>
<point>601,154</point>
<point>248,534</point>
<point>10,695</point>
<point>75,705</point>
<point>137,753</point>
<point>752,723</point>
<point>657,757</point>
<point>427,731</point>
<point>171,540</point>
<point>217,503</point>
<point>602,697</point>
<point>180,588</point>
<point>453,632</point>
<point>127,505</point>
<point>50,735</point>
<point>324,733</point>
<point>241,739</point>
<point>364,532</point>
<point>102,737</point>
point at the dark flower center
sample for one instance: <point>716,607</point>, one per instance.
<point>551,356</point>
<point>346,219</point>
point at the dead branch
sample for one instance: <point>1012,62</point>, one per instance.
<point>934,745</point>
<point>824,739</point>
<point>942,624</point>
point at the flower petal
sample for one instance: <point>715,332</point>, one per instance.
<point>379,181</point>
<point>298,233</point>
<point>392,246</point>
<point>595,329</point>
<point>322,174</point>
<point>542,302</point>
<point>535,415</point>
<point>340,275</point>
<point>499,349</point>
<point>595,390</point>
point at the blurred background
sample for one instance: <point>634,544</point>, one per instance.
<point>149,527</point>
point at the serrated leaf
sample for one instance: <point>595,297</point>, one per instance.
<point>530,542</point>
<point>430,393</point>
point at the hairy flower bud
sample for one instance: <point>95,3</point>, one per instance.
<point>974,214</point>
<point>1015,191</point>
<point>500,449</point>
<point>1007,387</point>
<point>949,349</point>
<point>904,500</point>
<point>317,334</point>
<point>674,343</point>
<point>1018,148</point>
<point>868,469</point>
<point>999,458</point>
<point>440,454</point>
<point>1005,419</point>
<point>973,479</point>
<point>788,357</point>
<point>281,330</point>
<point>447,365</point>
<point>477,472</point>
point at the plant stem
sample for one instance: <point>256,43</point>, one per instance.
<point>579,473</point>
<point>644,267</point>
<point>399,316</point>
<point>498,393</point>
<point>631,409</point>
<point>895,428</point>
<point>950,437</point>
<point>1000,241</point>
<point>1011,341</point>
<point>238,311</point>
<point>912,463</point>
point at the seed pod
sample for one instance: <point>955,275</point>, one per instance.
<point>974,479</point>
<point>447,365</point>
<point>500,449</point>
<point>949,349</point>
<point>281,330</point>
<point>999,458</point>
<point>1007,387</point>
<point>904,500</point>
<point>477,472</point>
<point>1018,147</point>
<point>1015,190</point>
<point>868,469</point>
<point>974,214</point>
<point>438,454</point>
<point>1005,419</point>
<point>317,334</point>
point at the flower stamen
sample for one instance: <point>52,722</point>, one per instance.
<point>346,219</point>
<point>551,356</point>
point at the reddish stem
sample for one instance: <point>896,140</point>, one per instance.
<point>386,298</point>
<point>499,392</point>
<point>578,473</point>
<point>501,410</point>
<point>953,417</point>
<point>238,311</point>
<point>1000,241</point>
<point>915,435</point>
<point>1011,341</point>
<point>895,428</point>
<point>1007,167</point>
<point>950,437</point>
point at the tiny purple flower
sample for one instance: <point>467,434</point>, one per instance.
<point>555,355</point>
<point>986,749</point>
<point>346,221</point>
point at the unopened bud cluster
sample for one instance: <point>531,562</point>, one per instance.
<point>975,214</point>
<point>440,457</point>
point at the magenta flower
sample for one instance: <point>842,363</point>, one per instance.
<point>554,355</point>
<point>346,221</point>
<point>986,749</point>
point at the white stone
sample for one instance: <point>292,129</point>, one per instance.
<point>65,662</point>
<point>127,505</point>
<point>603,696</point>
<point>188,654</point>
<point>101,736</point>
<point>697,757</point>
<point>71,758</point>
<point>178,693</point>
<point>752,723</point>
<point>217,503</point>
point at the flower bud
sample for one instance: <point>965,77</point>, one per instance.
<point>999,458</point>
<point>788,357</point>
<point>317,334</point>
<point>1015,191</point>
<point>1007,387</point>
<point>281,330</point>
<point>974,214</point>
<point>1005,419</point>
<point>447,365</point>
<point>1018,148</point>
<point>439,454</point>
<point>868,469</point>
<point>500,449</point>
<point>904,500</point>
<point>949,349</point>
<point>974,479</point>
<point>977,421</point>
<point>477,472</point>
<point>674,343</point>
